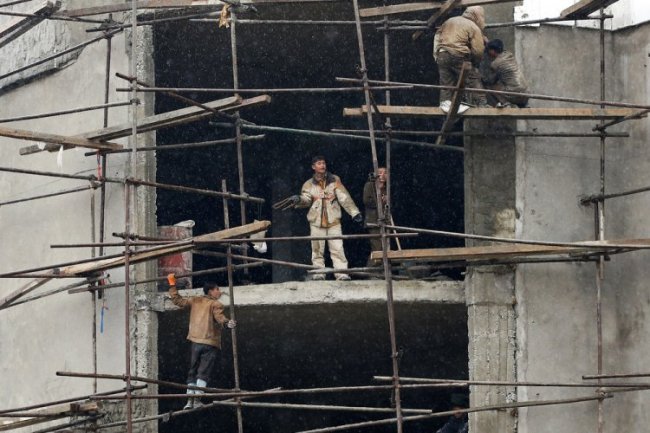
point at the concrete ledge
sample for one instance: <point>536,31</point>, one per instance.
<point>331,292</point>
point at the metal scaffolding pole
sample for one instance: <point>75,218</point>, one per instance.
<point>231,309</point>
<point>382,223</point>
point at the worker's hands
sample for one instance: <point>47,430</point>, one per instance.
<point>171,279</point>
<point>358,218</point>
<point>287,203</point>
<point>230,324</point>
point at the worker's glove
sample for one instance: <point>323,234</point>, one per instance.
<point>171,279</point>
<point>230,324</point>
<point>358,218</point>
<point>287,203</point>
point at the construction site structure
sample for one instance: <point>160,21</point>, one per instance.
<point>118,118</point>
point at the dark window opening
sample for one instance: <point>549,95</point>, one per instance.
<point>427,185</point>
<point>321,346</point>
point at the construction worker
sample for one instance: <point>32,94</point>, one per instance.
<point>458,422</point>
<point>504,73</point>
<point>458,40</point>
<point>324,195</point>
<point>206,321</point>
<point>376,183</point>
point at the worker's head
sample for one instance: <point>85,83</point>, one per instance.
<point>318,164</point>
<point>494,48</point>
<point>475,14</point>
<point>382,175</point>
<point>459,401</point>
<point>212,289</point>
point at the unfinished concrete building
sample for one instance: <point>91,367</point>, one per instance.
<point>519,274</point>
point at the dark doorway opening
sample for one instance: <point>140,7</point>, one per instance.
<point>321,346</point>
<point>427,184</point>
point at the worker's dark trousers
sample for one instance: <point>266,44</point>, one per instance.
<point>449,67</point>
<point>204,357</point>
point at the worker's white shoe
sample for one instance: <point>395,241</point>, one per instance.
<point>189,405</point>
<point>317,277</point>
<point>343,277</point>
<point>445,106</point>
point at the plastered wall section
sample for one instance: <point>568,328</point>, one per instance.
<point>556,303</point>
<point>55,333</point>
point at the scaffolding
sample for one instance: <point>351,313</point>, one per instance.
<point>139,248</point>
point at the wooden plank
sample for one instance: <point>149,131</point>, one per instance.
<point>455,103</point>
<point>19,25</point>
<point>506,113</point>
<point>137,257</point>
<point>163,120</point>
<point>421,6</point>
<point>585,7</point>
<point>32,285</point>
<point>56,139</point>
<point>500,251</point>
<point>440,14</point>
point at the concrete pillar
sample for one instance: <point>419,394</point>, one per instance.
<point>490,290</point>
<point>144,321</point>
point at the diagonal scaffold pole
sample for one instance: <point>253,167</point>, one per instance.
<point>382,222</point>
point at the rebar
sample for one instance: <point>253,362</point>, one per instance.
<point>57,55</point>
<point>591,245</point>
<point>52,194</point>
<point>184,146</point>
<point>502,92</point>
<point>454,412</point>
<point>504,382</point>
<point>348,136</point>
<point>531,134</point>
<point>63,112</point>
<point>273,90</point>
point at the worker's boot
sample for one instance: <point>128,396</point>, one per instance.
<point>190,400</point>
<point>203,384</point>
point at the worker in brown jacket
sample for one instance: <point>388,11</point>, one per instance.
<point>459,40</point>
<point>206,322</point>
<point>325,195</point>
<point>504,73</point>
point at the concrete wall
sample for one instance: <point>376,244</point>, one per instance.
<point>556,304</point>
<point>56,333</point>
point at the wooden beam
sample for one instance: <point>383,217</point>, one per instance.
<point>440,14</point>
<point>501,251</point>
<point>163,120</point>
<point>137,257</point>
<point>421,6</point>
<point>58,140</point>
<point>506,113</point>
<point>32,285</point>
<point>585,7</point>
<point>19,25</point>
<point>51,413</point>
<point>455,103</point>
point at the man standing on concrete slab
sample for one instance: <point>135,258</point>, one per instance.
<point>459,40</point>
<point>504,73</point>
<point>206,321</point>
<point>324,195</point>
<point>376,183</point>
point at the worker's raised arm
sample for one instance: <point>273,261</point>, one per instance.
<point>177,299</point>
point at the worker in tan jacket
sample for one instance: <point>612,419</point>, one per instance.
<point>206,322</point>
<point>325,195</point>
<point>459,40</point>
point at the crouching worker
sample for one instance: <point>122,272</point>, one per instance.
<point>206,322</point>
<point>504,74</point>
